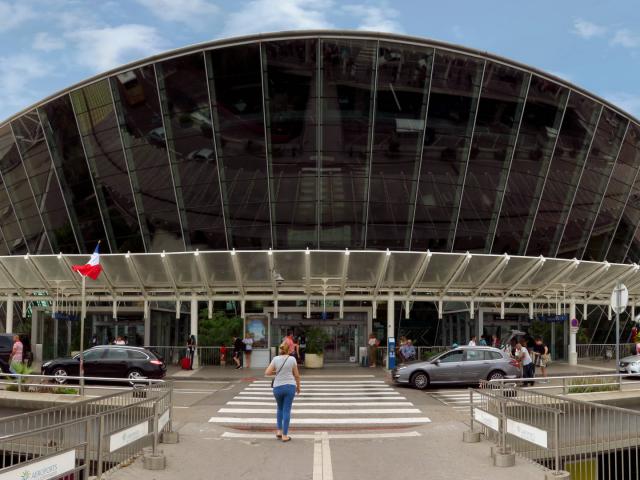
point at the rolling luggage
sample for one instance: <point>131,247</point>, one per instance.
<point>185,363</point>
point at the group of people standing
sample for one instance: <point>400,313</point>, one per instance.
<point>530,355</point>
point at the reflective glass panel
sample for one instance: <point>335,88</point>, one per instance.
<point>235,82</point>
<point>62,136</point>
<point>620,211</point>
<point>593,182</point>
<point>499,114</point>
<point>98,125</point>
<point>453,102</point>
<point>19,190</point>
<point>187,117</point>
<point>291,99</point>
<point>347,68</point>
<point>44,181</point>
<point>534,146</point>
<point>576,134</point>
<point>401,102</point>
<point>138,111</point>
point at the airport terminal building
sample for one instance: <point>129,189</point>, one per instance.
<point>357,181</point>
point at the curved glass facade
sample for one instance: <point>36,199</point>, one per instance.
<point>323,141</point>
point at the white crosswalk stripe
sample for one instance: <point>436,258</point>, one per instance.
<point>458,399</point>
<point>323,403</point>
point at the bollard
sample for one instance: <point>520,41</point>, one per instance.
<point>504,457</point>
<point>154,462</point>
<point>170,437</point>
<point>470,436</point>
<point>495,448</point>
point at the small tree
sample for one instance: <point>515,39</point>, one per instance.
<point>219,329</point>
<point>316,340</point>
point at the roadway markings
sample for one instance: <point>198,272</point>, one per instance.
<point>458,399</point>
<point>336,403</point>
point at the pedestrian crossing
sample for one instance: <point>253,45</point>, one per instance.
<point>323,403</point>
<point>458,398</point>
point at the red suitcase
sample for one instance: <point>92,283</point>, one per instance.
<point>185,363</point>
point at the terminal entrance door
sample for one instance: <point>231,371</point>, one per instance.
<point>344,336</point>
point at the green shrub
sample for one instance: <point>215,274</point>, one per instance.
<point>21,369</point>
<point>316,340</point>
<point>65,391</point>
<point>593,384</point>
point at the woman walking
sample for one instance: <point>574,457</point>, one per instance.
<point>373,349</point>
<point>286,384</point>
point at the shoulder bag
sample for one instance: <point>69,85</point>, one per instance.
<point>274,377</point>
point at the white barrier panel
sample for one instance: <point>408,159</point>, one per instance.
<point>486,419</point>
<point>130,435</point>
<point>527,432</point>
<point>163,420</point>
<point>52,467</point>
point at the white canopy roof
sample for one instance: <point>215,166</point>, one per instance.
<point>316,274</point>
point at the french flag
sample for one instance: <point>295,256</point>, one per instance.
<point>92,268</point>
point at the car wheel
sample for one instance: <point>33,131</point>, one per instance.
<point>135,375</point>
<point>60,375</point>
<point>496,375</point>
<point>420,380</point>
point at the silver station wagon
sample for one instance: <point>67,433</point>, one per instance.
<point>460,365</point>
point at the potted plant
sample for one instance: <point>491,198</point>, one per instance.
<point>314,352</point>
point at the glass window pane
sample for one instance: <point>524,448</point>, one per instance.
<point>576,134</point>
<point>187,116</point>
<point>401,103</point>
<point>138,112</point>
<point>290,72</point>
<point>452,106</point>
<point>347,102</point>
<point>19,191</point>
<point>595,177</point>
<point>537,135</point>
<point>237,105</point>
<point>62,135</point>
<point>101,139</point>
<point>499,114</point>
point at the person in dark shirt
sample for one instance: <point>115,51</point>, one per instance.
<point>238,348</point>
<point>541,355</point>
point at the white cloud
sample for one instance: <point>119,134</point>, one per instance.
<point>628,102</point>
<point>585,29</point>
<point>194,13</point>
<point>267,15</point>
<point>374,18</point>
<point>625,38</point>
<point>14,14</point>
<point>47,42</point>
<point>17,73</point>
<point>108,47</point>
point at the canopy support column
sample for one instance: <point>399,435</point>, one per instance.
<point>9,323</point>
<point>147,323</point>
<point>194,327</point>
<point>573,354</point>
<point>391,342</point>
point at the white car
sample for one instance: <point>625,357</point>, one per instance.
<point>204,154</point>
<point>630,364</point>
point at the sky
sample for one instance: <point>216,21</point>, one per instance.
<point>47,45</point>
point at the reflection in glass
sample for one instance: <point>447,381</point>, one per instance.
<point>347,103</point>
<point>291,86</point>
<point>537,136</point>
<point>499,115</point>
<point>16,181</point>
<point>184,99</point>
<point>93,107</point>
<point>593,181</point>
<point>238,122</point>
<point>44,182</point>
<point>577,132</point>
<point>62,136</point>
<point>401,101</point>
<point>453,102</point>
<point>138,111</point>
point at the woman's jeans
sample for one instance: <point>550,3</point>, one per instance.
<point>284,398</point>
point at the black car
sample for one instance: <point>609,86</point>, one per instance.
<point>114,361</point>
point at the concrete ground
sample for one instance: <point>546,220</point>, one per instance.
<point>237,447</point>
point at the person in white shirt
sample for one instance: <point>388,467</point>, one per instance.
<point>248,348</point>
<point>528,367</point>
<point>472,342</point>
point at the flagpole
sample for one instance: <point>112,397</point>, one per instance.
<point>83,314</point>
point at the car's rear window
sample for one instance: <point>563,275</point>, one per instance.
<point>135,355</point>
<point>494,356</point>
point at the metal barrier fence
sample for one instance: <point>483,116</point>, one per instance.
<point>422,353</point>
<point>90,436</point>
<point>604,351</point>
<point>560,433</point>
